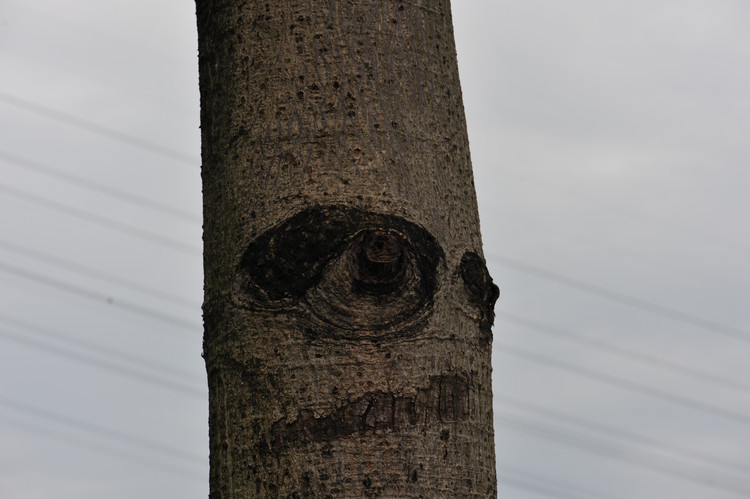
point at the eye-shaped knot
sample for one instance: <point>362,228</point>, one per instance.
<point>351,272</point>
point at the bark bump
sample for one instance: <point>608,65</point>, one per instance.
<point>482,291</point>
<point>381,264</point>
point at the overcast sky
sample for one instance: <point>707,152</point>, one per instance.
<point>610,143</point>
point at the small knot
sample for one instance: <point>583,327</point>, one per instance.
<point>380,261</point>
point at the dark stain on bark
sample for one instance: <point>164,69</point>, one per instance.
<point>444,400</point>
<point>287,260</point>
<point>482,291</point>
<point>349,272</point>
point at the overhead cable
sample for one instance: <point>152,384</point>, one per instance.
<point>650,461</point>
<point>30,252</point>
<point>616,296</point>
<point>99,129</point>
<point>623,435</point>
<point>98,187</point>
<point>105,364</point>
<point>604,346</point>
<point>96,348</point>
<point>508,474</point>
<point>102,221</point>
<point>104,449</point>
<point>100,430</point>
<point>100,298</point>
<point>633,386</point>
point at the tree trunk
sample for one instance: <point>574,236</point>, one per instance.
<point>347,305</point>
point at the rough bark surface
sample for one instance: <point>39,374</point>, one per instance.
<point>347,305</point>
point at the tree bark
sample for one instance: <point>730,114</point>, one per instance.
<point>347,303</point>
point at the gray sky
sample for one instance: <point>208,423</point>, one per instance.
<point>610,149</point>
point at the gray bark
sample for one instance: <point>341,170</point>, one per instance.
<point>347,303</point>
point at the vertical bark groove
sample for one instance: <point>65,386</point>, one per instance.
<point>347,306</point>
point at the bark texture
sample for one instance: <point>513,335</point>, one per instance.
<point>347,303</point>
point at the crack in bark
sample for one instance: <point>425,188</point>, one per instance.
<point>444,400</point>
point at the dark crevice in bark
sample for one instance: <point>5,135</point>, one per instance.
<point>482,291</point>
<point>444,400</point>
<point>286,260</point>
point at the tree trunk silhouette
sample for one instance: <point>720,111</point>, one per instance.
<point>347,303</point>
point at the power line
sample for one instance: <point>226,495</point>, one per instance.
<point>90,32</point>
<point>626,454</point>
<point>99,430</point>
<point>27,251</point>
<point>100,298</point>
<point>536,488</point>
<point>97,187</point>
<point>117,355</point>
<point>102,221</point>
<point>616,296</point>
<point>624,352</point>
<point>623,383</point>
<point>590,199</point>
<point>105,131</point>
<point>540,488</point>
<point>626,435</point>
<point>102,449</point>
<point>103,364</point>
<point>545,485</point>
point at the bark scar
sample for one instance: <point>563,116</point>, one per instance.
<point>445,399</point>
